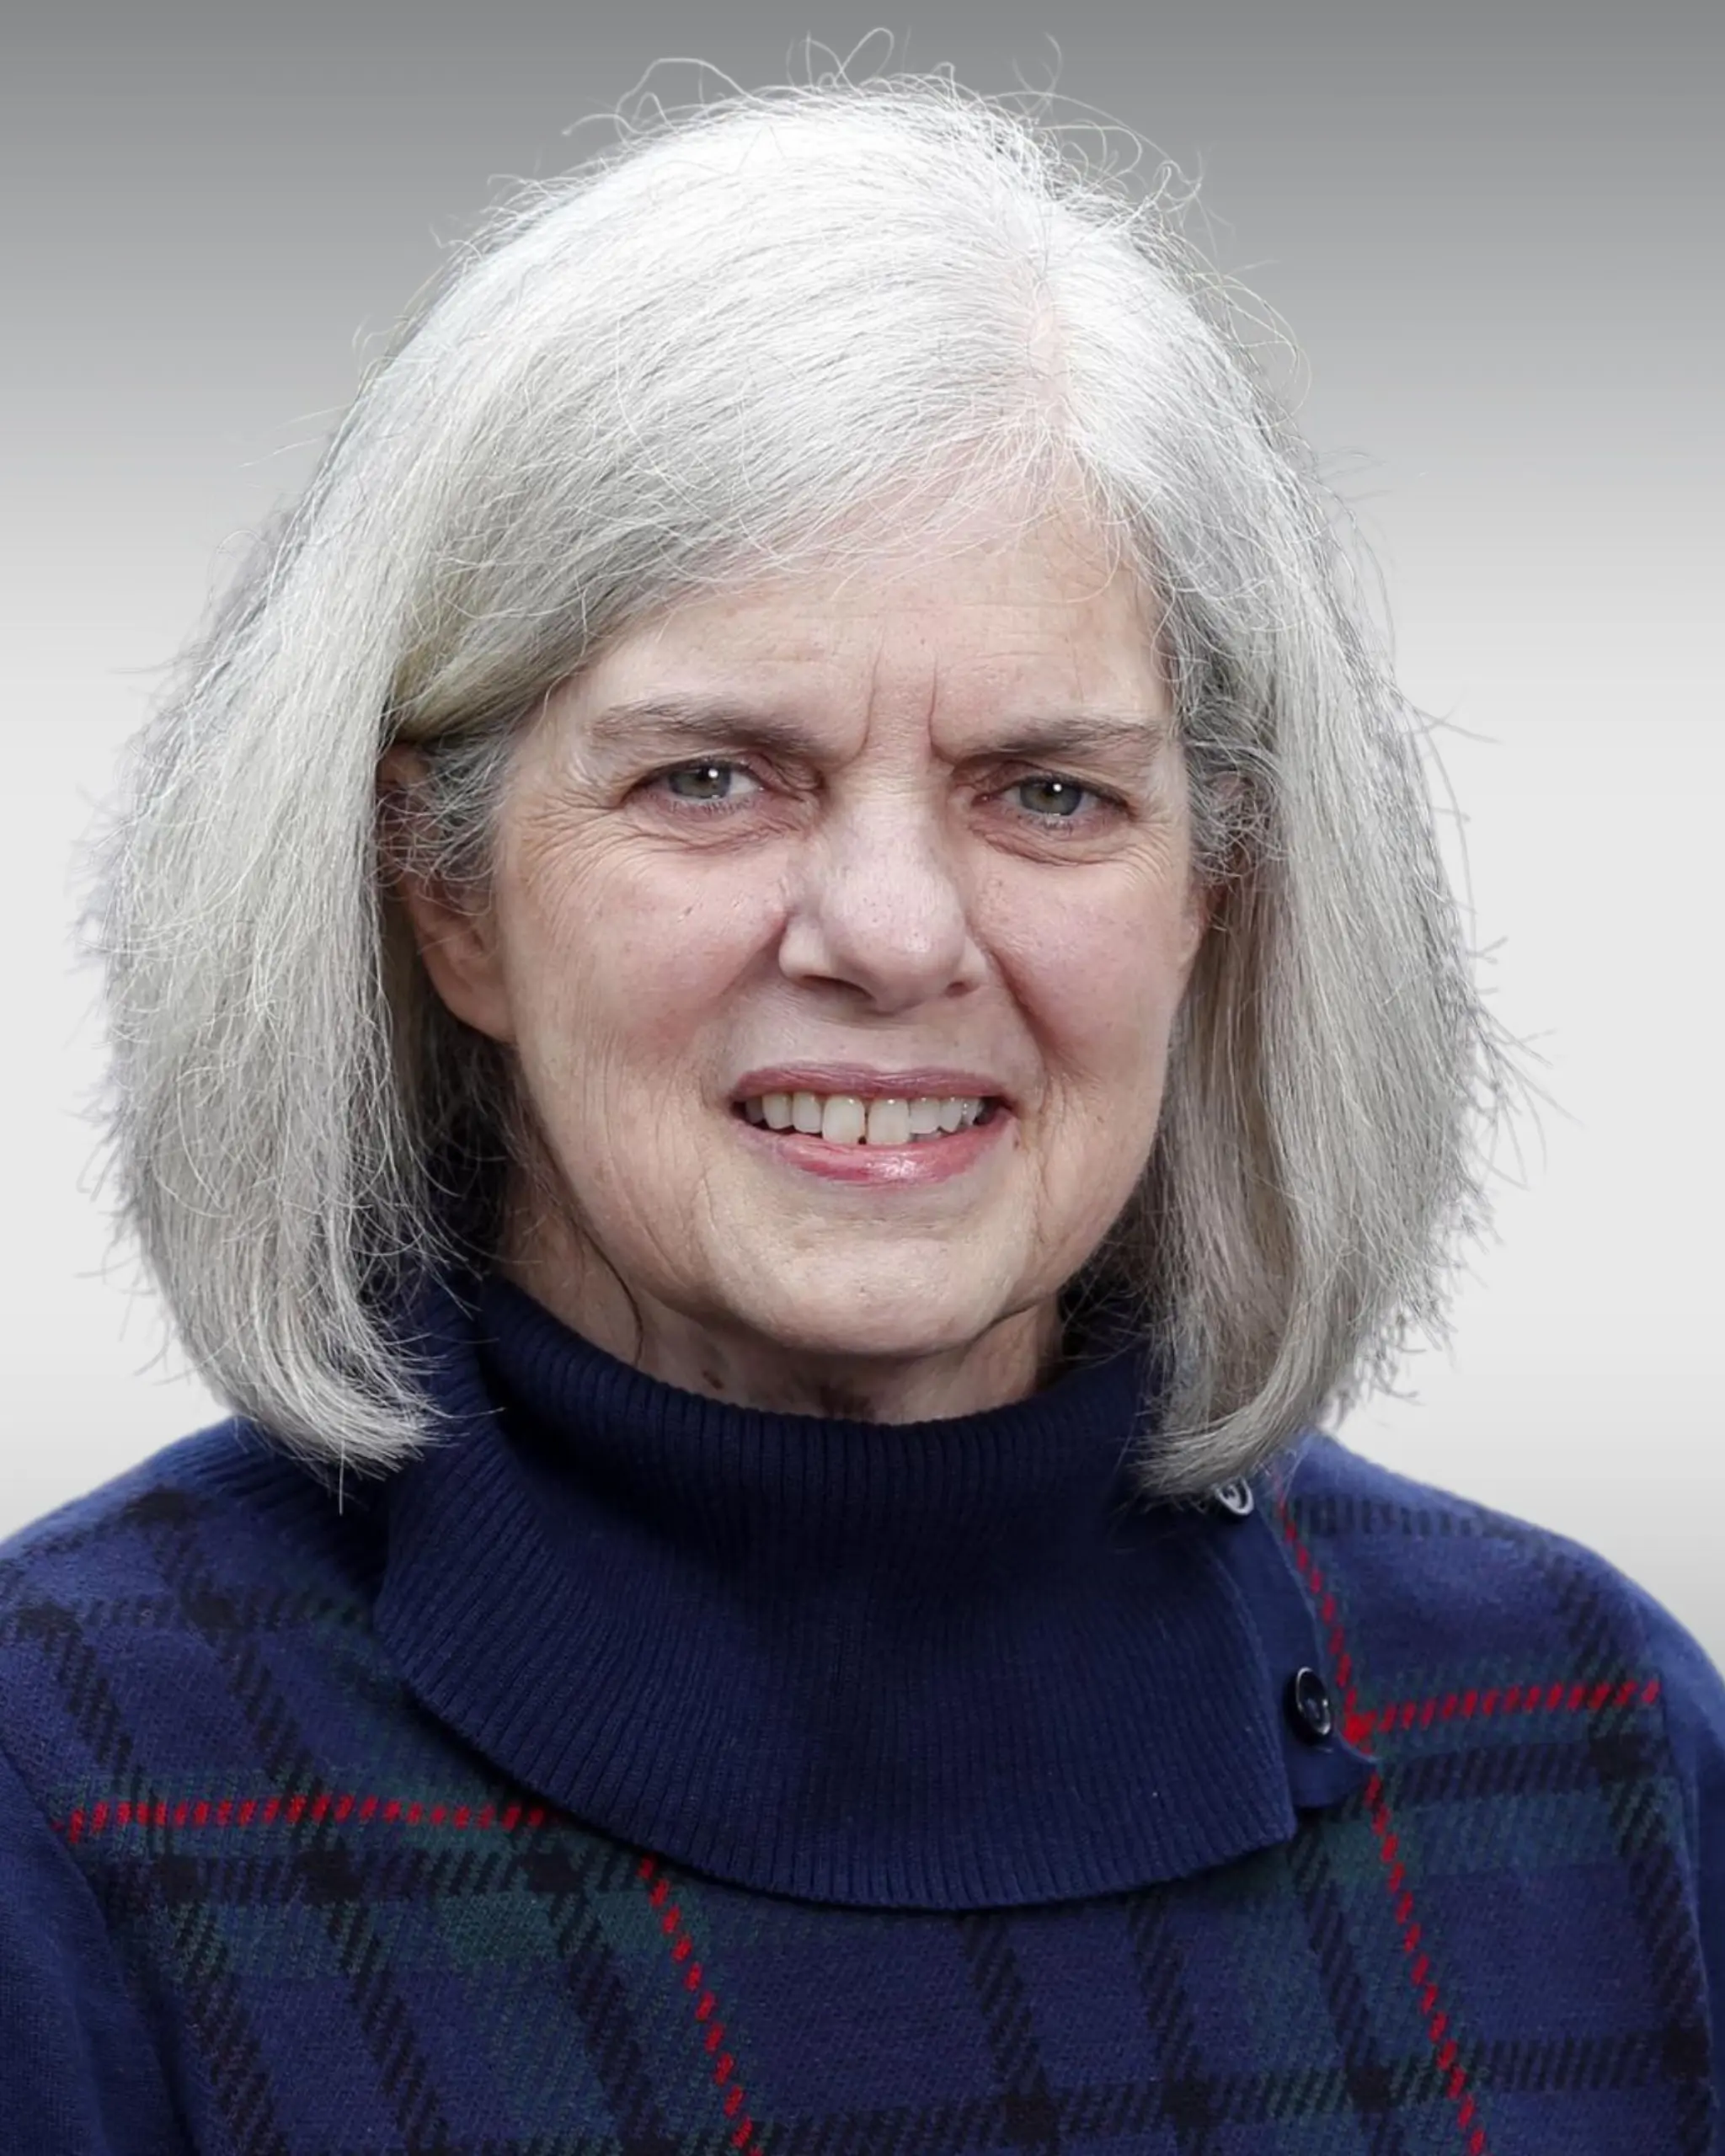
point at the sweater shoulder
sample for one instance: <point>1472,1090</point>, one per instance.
<point>1432,1590</point>
<point>1421,1530</point>
<point>227,1489</point>
<point>141,1622</point>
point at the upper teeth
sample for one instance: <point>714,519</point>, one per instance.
<point>847,1119</point>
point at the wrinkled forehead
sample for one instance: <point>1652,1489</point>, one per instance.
<point>1013,623</point>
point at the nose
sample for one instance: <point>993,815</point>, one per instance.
<point>878,904</point>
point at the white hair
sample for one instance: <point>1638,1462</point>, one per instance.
<point>765,333</point>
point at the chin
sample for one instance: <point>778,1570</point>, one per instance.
<point>894,1322</point>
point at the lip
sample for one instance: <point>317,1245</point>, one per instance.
<point>924,1081</point>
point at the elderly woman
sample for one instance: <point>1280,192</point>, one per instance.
<point>785,1021</point>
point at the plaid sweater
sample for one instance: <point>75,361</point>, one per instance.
<point>634,1775</point>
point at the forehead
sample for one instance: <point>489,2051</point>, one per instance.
<point>1023,616</point>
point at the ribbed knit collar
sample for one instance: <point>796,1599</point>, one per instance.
<point>947,1664</point>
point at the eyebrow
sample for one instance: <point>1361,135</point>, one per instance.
<point>705,722</point>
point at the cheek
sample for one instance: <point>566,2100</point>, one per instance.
<point>1098,974</point>
<point>622,960</point>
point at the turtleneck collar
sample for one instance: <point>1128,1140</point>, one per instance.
<point>945,1664</point>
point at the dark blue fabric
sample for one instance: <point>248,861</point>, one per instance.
<point>78,2073</point>
<point>942,1664</point>
<point>1694,1697</point>
<point>632,1772</point>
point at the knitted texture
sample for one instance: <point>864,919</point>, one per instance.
<point>260,1901</point>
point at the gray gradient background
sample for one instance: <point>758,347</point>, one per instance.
<point>1493,233</point>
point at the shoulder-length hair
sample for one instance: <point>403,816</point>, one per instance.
<point>771,331</point>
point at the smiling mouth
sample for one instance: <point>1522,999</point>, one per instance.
<point>851,1119</point>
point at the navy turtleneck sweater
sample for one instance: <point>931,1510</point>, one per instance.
<point>942,1665</point>
<point>633,1773</point>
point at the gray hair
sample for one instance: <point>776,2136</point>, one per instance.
<point>768,332</point>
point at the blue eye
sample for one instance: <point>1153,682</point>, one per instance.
<point>1051,798</point>
<point>709,783</point>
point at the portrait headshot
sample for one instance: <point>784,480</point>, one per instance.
<point>791,1034</point>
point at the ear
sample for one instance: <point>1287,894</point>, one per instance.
<point>1195,918</point>
<point>457,931</point>
<point>1203,897</point>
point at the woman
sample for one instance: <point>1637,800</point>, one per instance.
<point>785,1021</point>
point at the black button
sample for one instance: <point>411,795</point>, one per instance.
<point>1309,1706</point>
<point>1235,1497</point>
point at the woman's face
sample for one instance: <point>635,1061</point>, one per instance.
<point>862,853</point>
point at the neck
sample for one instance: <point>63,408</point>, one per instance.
<point>703,1354</point>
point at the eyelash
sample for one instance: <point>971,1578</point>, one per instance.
<point>1106,800</point>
